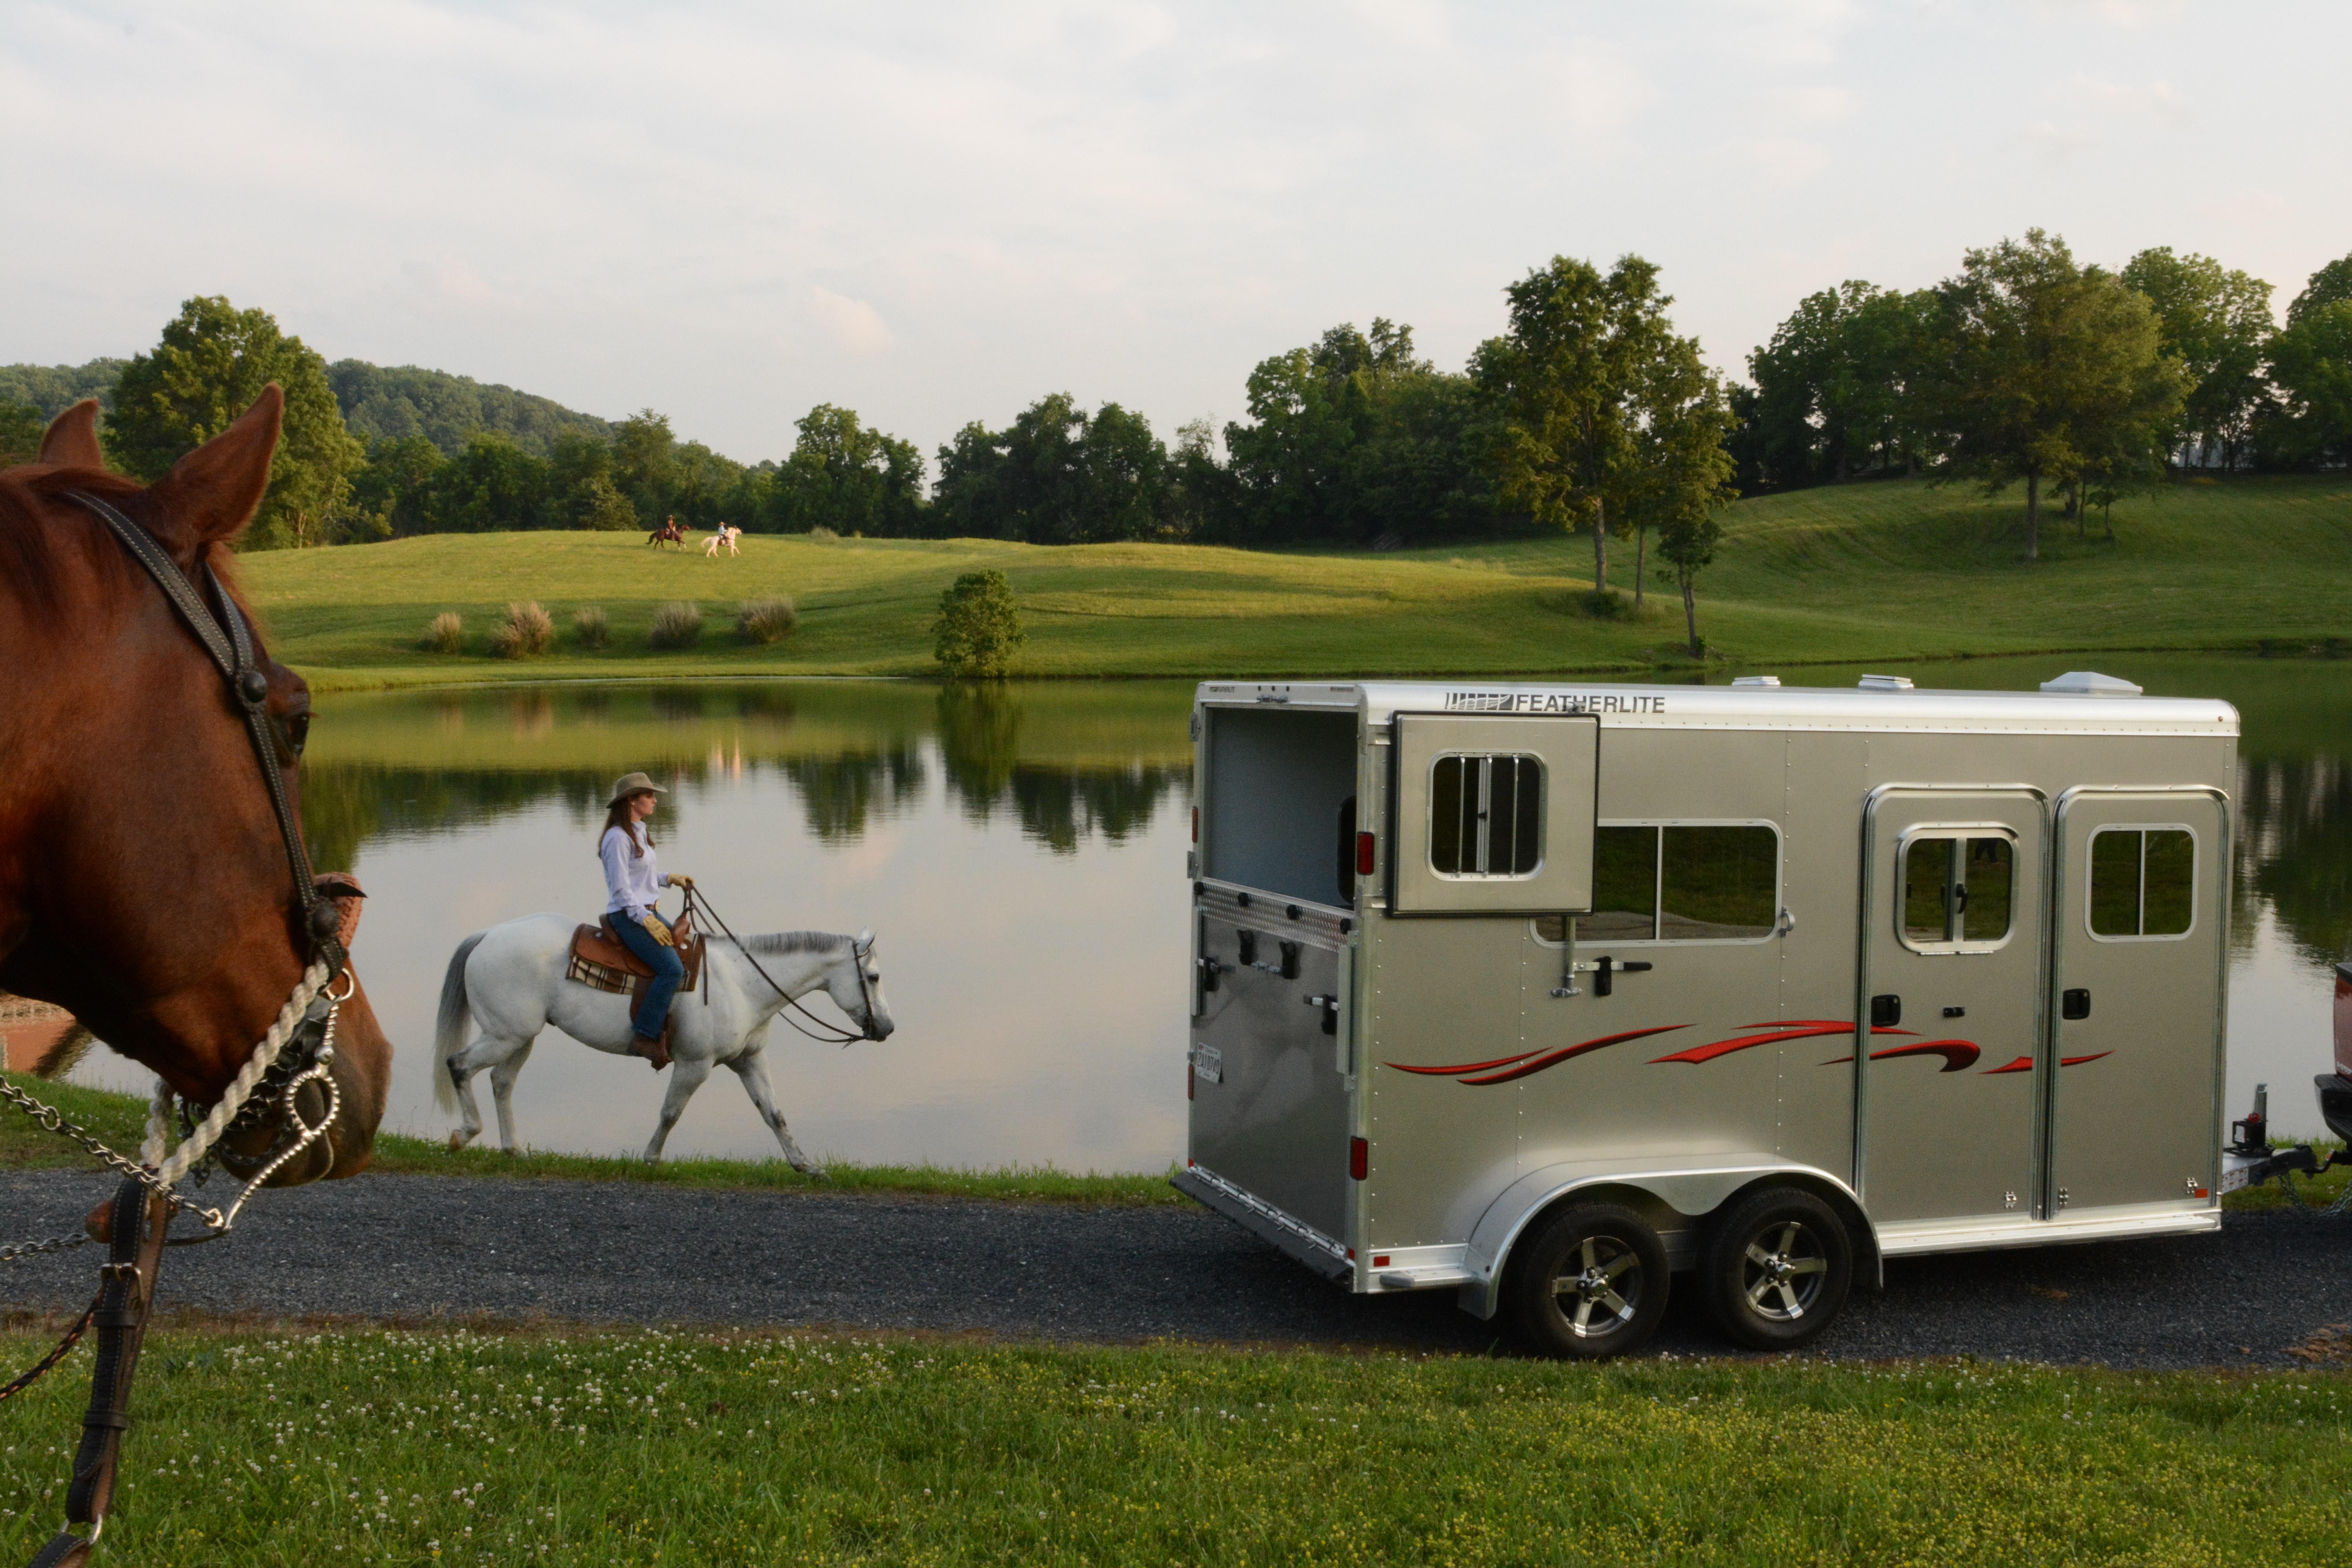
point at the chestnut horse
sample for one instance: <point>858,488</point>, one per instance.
<point>144,885</point>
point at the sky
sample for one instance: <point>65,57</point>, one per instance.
<point>937,212</point>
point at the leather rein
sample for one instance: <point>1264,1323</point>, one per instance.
<point>143,1203</point>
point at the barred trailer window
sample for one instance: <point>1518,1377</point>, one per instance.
<point>2142,881</point>
<point>1486,816</point>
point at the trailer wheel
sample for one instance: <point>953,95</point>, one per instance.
<point>1590,1284</point>
<point>1776,1267</point>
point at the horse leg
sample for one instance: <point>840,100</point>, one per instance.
<point>502,1082</point>
<point>751,1068</point>
<point>488,1050</point>
<point>686,1076</point>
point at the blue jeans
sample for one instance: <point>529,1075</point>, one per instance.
<point>668,970</point>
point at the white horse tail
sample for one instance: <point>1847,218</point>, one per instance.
<point>449,1031</point>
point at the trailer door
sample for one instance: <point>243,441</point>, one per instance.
<point>1946,1041</point>
<point>2142,923</point>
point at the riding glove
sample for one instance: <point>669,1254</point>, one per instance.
<point>679,879</point>
<point>658,929</point>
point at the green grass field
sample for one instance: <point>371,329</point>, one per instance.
<point>117,1120</point>
<point>296,1445</point>
<point>1880,571</point>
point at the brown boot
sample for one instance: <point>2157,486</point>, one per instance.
<point>653,1051</point>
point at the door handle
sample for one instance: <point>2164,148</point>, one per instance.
<point>1605,969</point>
<point>2074,1004</point>
<point>1886,1011</point>
<point>1331,1006</point>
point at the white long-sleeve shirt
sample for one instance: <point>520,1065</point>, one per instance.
<point>634,881</point>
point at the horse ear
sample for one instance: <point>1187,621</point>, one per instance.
<point>864,940</point>
<point>71,439</point>
<point>211,494</point>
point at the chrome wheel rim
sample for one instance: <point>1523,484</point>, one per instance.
<point>1597,1286</point>
<point>1782,1272</point>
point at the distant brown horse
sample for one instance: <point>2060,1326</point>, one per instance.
<point>144,885</point>
<point>670,532</point>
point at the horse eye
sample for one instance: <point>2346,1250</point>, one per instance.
<point>298,732</point>
<point>875,976</point>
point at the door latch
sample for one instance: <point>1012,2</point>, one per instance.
<point>1330,1005</point>
<point>1603,970</point>
<point>1886,1011</point>
<point>2075,1005</point>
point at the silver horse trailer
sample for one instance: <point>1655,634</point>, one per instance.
<point>1546,993</point>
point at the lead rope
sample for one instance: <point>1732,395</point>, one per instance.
<point>838,1034</point>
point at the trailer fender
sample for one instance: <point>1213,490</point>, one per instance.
<point>1675,1197</point>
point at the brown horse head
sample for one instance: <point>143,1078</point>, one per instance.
<point>144,882</point>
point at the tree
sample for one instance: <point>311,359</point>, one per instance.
<point>979,626</point>
<point>847,478</point>
<point>1681,470</point>
<point>490,486</point>
<point>21,425</point>
<point>392,492</point>
<point>1565,384</point>
<point>2217,322</point>
<point>213,362</point>
<point>1834,384</point>
<point>2041,367</point>
<point>2331,285</point>
<point>1056,475</point>
<point>1353,437</point>
<point>2312,362</point>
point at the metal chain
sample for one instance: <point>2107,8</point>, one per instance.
<point>34,1248</point>
<point>57,1121</point>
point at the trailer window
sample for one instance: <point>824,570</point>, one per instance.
<point>1486,816</point>
<point>2142,881</point>
<point>1957,890</point>
<point>1668,882</point>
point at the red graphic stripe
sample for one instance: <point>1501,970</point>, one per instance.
<point>1958,1054</point>
<point>2076,1061</point>
<point>1803,1030</point>
<point>1461,1066</point>
<point>1553,1058</point>
<point>2023,1064</point>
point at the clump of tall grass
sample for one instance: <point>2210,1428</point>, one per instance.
<point>526,632</point>
<point>765,621</point>
<point>589,627</point>
<point>444,633</point>
<point>820,534</point>
<point>675,625</point>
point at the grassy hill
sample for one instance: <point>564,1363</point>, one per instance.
<point>1882,570</point>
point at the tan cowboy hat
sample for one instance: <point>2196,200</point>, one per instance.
<point>634,784</point>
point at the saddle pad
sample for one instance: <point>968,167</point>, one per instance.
<point>598,960</point>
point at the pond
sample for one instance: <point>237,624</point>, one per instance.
<point>1021,853</point>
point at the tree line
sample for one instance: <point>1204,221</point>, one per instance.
<point>1588,414</point>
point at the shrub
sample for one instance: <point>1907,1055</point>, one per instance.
<point>979,626</point>
<point>588,623</point>
<point>820,534</point>
<point>526,633</point>
<point>675,625</point>
<point>765,621</point>
<point>444,633</point>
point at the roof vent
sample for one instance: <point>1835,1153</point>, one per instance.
<point>1884,683</point>
<point>2090,683</point>
<point>1755,680</point>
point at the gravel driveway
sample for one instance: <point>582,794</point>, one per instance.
<point>410,1246</point>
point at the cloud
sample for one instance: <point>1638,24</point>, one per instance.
<point>1783,160</point>
<point>1816,105</point>
<point>2059,143</point>
<point>852,323</point>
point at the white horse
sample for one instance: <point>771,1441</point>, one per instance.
<point>726,536</point>
<point>510,980</point>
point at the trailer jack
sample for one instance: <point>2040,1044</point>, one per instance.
<point>2251,1160</point>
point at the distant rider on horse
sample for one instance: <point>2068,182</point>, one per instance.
<point>635,881</point>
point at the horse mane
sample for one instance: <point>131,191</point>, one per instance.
<point>777,941</point>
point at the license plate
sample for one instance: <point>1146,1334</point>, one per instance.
<point>1208,1064</point>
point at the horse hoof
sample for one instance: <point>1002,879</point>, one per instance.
<point>456,1142</point>
<point>813,1172</point>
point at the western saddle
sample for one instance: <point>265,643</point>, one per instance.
<point>600,959</point>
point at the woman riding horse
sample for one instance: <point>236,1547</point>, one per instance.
<point>635,881</point>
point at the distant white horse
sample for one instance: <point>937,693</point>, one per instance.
<point>726,536</point>
<point>510,980</point>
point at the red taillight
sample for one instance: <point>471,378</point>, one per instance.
<point>1191,1077</point>
<point>1380,1260</point>
<point>2343,987</point>
<point>1363,854</point>
<point>1360,1158</point>
<point>1196,825</point>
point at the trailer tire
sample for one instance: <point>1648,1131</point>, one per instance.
<point>1590,1283</point>
<point>1776,1267</point>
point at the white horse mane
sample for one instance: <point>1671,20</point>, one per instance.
<point>793,941</point>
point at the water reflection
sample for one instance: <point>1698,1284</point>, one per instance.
<point>2294,850</point>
